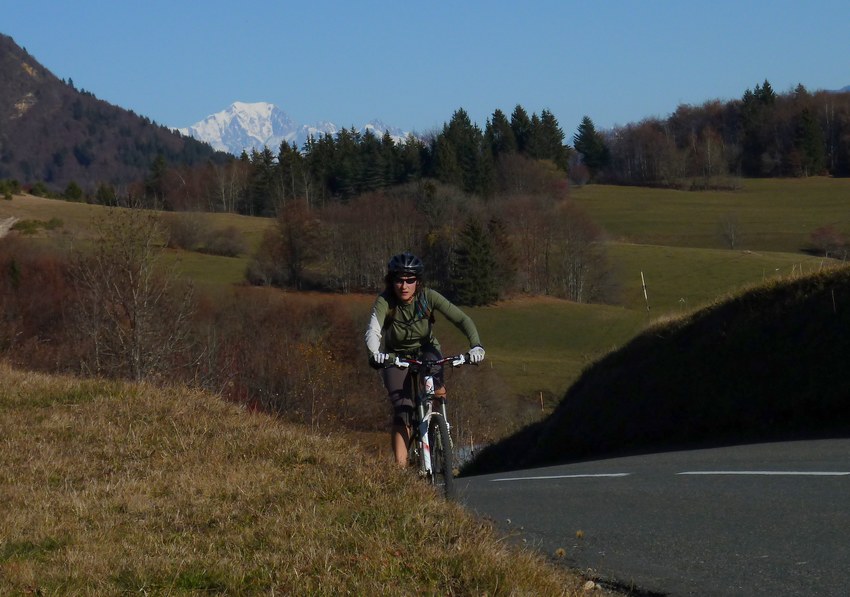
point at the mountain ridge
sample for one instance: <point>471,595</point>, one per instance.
<point>53,133</point>
<point>248,126</point>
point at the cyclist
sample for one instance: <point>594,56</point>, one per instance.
<point>402,316</point>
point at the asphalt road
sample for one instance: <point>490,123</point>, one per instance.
<point>765,519</point>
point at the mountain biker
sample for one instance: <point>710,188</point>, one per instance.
<point>402,316</point>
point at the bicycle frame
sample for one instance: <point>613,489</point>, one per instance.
<point>424,405</point>
<point>430,422</point>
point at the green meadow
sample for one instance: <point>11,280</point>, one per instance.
<point>770,214</point>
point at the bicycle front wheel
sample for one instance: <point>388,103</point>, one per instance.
<point>442,474</point>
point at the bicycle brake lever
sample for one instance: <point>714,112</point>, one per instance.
<point>460,360</point>
<point>401,364</point>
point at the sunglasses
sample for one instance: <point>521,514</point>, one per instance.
<point>403,281</point>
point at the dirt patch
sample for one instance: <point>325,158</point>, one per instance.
<point>6,225</point>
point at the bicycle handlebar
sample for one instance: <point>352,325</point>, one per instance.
<point>405,362</point>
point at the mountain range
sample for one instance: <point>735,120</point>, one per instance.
<point>54,133</point>
<point>253,126</point>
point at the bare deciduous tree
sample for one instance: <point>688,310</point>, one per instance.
<point>134,311</point>
<point>580,265</point>
<point>730,230</point>
<point>829,242</point>
<point>228,184</point>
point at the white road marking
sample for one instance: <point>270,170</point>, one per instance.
<point>704,473</point>
<point>771,473</point>
<point>562,477</point>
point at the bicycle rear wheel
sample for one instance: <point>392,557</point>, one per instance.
<point>441,456</point>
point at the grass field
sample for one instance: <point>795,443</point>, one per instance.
<point>772,215</point>
<point>112,489</point>
<point>541,344</point>
<point>682,278</point>
<point>673,237</point>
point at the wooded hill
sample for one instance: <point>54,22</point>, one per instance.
<point>53,133</point>
<point>763,134</point>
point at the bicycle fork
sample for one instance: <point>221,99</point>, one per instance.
<point>425,415</point>
<point>424,423</point>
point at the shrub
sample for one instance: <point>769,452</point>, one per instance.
<point>267,267</point>
<point>34,290</point>
<point>184,231</point>
<point>829,242</point>
<point>33,226</point>
<point>39,189</point>
<point>73,192</point>
<point>227,242</point>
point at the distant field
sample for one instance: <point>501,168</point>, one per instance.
<point>76,218</point>
<point>80,219</point>
<point>683,278</point>
<point>772,215</point>
<point>210,272</point>
<point>543,344</point>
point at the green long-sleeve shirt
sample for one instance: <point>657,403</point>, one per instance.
<point>409,331</point>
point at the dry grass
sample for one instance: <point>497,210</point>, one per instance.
<point>110,488</point>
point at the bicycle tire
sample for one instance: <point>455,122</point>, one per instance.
<point>441,456</point>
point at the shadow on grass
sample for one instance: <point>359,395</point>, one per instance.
<point>767,365</point>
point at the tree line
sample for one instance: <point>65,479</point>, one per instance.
<point>336,168</point>
<point>476,251</point>
<point>762,134</point>
<point>713,145</point>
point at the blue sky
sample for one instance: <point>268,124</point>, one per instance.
<point>412,64</point>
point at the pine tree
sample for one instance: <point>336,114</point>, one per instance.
<point>372,169</point>
<point>261,185</point>
<point>809,143</point>
<point>499,136</point>
<point>551,140</point>
<point>290,164</point>
<point>591,146</point>
<point>534,147</point>
<point>412,159</point>
<point>446,164</point>
<point>463,141</point>
<point>756,121</point>
<point>521,126</point>
<point>155,182</point>
<point>474,267</point>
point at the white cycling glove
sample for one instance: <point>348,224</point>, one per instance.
<point>379,358</point>
<point>476,355</point>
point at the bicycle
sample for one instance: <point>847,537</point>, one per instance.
<point>430,446</point>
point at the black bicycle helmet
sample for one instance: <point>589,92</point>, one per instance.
<point>405,263</point>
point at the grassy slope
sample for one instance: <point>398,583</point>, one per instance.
<point>110,488</point>
<point>683,278</point>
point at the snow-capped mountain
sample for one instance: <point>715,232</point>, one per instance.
<point>247,126</point>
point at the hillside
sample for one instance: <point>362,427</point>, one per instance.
<point>53,133</point>
<point>766,364</point>
<point>113,488</point>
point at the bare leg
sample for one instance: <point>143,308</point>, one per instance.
<point>400,442</point>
